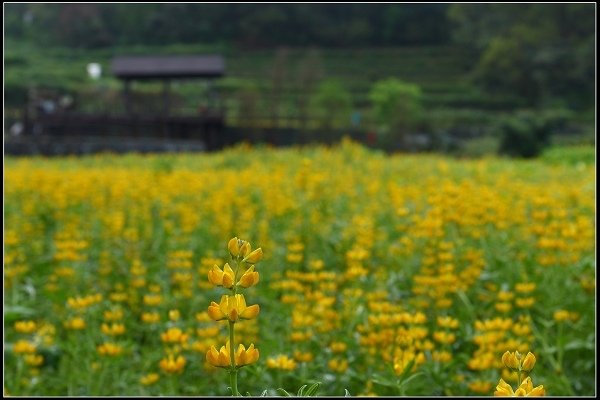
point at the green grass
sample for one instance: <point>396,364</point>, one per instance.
<point>570,155</point>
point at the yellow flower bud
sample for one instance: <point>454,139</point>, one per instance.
<point>234,246</point>
<point>245,356</point>
<point>503,389</point>
<point>218,358</point>
<point>249,278</point>
<point>221,277</point>
<point>215,275</point>
<point>245,249</point>
<point>254,257</point>
<point>528,362</point>
<point>510,360</point>
<point>222,358</point>
<point>228,276</point>
<point>537,391</point>
<point>174,315</point>
<point>232,308</point>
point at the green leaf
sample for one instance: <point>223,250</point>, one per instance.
<point>284,392</point>
<point>264,393</point>
<point>347,393</point>
<point>301,390</point>
<point>312,390</point>
<point>380,380</point>
<point>579,344</point>
<point>410,378</point>
<point>13,313</point>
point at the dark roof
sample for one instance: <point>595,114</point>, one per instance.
<point>144,67</point>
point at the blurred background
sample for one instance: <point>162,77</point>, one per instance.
<point>463,79</point>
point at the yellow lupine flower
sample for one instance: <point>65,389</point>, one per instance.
<point>444,337</point>
<point>338,365</point>
<point>221,277</point>
<point>174,335</point>
<point>249,278</point>
<point>515,360</point>
<point>503,389</point>
<point>525,287</point>
<point>525,302</point>
<point>113,315</point>
<point>76,323</point>
<point>23,346</point>
<point>234,246</point>
<point>281,362</point>
<point>109,349</point>
<point>232,308</point>
<point>150,317</point>
<point>254,256</point>
<point>113,329</point>
<point>526,389</point>
<point>480,386</point>
<point>34,360</point>
<point>152,299</point>
<point>447,322</point>
<point>245,356</point>
<point>174,315</point>
<point>338,347</point>
<point>528,362</point>
<point>222,358</point>
<point>564,315</point>
<point>245,249</point>
<point>303,356</point>
<point>219,358</point>
<point>510,360</point>
<point>172,365</point>
<point>149,379</point>
<point>25,326</point>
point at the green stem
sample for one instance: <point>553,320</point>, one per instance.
<point>560,347</point>
<point>233,370</point>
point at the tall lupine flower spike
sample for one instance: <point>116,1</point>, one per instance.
<point>233,308</point>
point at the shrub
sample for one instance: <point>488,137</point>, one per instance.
<point>397,107</point>
<point>332,104</point>
<point>527,133</point>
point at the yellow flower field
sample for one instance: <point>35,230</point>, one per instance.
<point>380,275</point>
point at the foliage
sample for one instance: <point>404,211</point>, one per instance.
<point>331,104</point>
<point>396,106</point>
<point>247,25</point>
<point>570,155</point>
<point>527,133</point>
<point>542,52</point>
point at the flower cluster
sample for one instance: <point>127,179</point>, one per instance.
<point>519,363</point>
<point>233,308</point>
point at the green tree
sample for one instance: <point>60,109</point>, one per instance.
<point>542,53</point>
<point>397,107</point>
<point>331,104</point>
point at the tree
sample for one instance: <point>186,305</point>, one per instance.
<point>397,107</point>
<point>310,71</point>
<point>540,52</point>
<point>331,104</point>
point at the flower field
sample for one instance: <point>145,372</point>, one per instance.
<point>380,275</point>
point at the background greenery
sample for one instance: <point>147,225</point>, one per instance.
<point>476,65</point>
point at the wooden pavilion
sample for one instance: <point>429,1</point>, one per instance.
<point>201,125</point>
